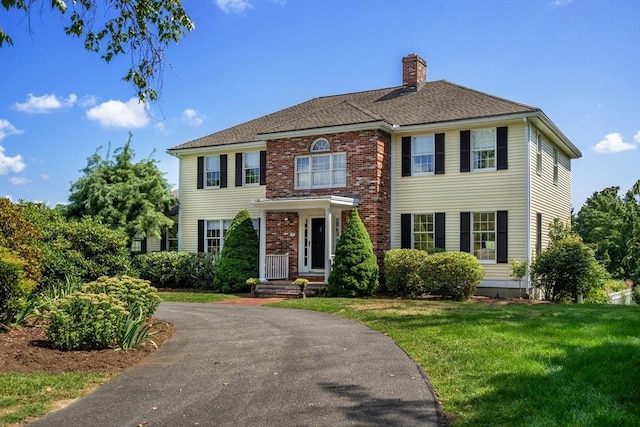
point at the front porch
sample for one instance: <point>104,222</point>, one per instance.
<point>298,237</point>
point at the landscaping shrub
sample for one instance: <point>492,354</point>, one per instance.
<point>402,271</point>
<point>355,268</point>
<point>567,268</point>
<point>176,269</point>
<point>596,296</point>
<point>239,256</point>
<point>86,321</point>
<point>15,287</point>
<point>453,275</point>
<point>136,294</point>
<point>20,235</point>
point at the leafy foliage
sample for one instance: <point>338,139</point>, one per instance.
<point>402,269</point>
<point>454,275</point>
<point>176,269</point>
<point>86,321</point>
<point>239,256</point>
<point>355,270</point>
<point>20,235</point>
<point>15,287</point>
<point>131,196</point>
<point>141,29</point>
<point>76,250</point>
<point>136,294</point>
<point>567,268</point>
<point>134,332</point>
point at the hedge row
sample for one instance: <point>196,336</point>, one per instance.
<point>412,272</point>
<point>176,269</point>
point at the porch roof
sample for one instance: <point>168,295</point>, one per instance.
<point>309,202</point>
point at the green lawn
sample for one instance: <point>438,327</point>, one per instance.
<point>193,296</point>
<point>542,365</point>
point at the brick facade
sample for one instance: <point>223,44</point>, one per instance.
<point>368,157</point>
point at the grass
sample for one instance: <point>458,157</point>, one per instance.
<point>194,296</point>
<point>32,395</point>
<point>541,365</point>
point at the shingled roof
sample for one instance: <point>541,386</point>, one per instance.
<point>434,102</point>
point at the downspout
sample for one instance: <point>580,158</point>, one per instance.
<point>527,256</point>
<point>180,189</point>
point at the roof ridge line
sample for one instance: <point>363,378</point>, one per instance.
<point>491,96</point>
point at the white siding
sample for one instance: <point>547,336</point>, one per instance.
<point>210,203</point>
<point>454,192</point>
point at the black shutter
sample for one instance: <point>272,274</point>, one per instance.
<point>538,233</point>
<point>465,151</point>
<point>501,238</point>
<point>200,177</point>
<point>263,168</point>
<point>405,231</point>
<point>501,148</point>
<point>201,235</point>
<point>163,239</point>
<point>465,231</point>
<point>440,230</point>
<point>406,156</point>
<point>223,171</point>
<point>143,246</point>
<point>238,169</point>
<point>439,153</point>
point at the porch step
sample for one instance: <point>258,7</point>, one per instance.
<point>270,290</point>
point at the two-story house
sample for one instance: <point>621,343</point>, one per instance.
<point>427,164</point>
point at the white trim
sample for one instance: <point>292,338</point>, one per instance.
<point>180,223</point>
<point>329,130</point>
<point>226,148</point>
<point>297,204</point>
<point>527,255</point>
<point>392,181</point>
<point>262,272</point>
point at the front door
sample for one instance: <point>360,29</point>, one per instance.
<point>317,243</point>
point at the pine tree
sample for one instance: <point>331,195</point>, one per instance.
<point>239,256</point>
<point>355,269</point>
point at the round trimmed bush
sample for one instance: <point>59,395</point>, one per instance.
<point>454,275</point>
<point>402,271</point>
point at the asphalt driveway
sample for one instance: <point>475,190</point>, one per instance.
<point>235,365</point>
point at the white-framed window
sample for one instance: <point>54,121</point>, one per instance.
<point>212,172</point>
<point>422,155</point>
<point>321,171</point>
<point>484,235</point>
<point>423,236</point>
<point>251,166</point>
<point>319,145</point>
<point>539,140</point>
<point>483,149</point>
<point>216,230</point>
<point>555,165</point>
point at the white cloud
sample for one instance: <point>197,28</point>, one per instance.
<point>88,101</point>
<point>45,103</point>
<point>15,180</point>
<point>44,177</point>
<point>7,129</point>
<point>560,3</point>
<point>192,117</point>
<point>10,164</point>
<point>636,137</point>
<point>614,143</point>
<point>118,114</point>
<point>233,6</point>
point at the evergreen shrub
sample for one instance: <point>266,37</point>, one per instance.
<point>355,269</point>
<point>238,259</point>
<point>15,287</point>
<point>454,275</point>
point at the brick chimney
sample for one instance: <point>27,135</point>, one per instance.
<point>414,72</point>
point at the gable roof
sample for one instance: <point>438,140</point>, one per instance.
<point>435,102</point>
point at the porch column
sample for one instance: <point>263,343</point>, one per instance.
<point>328,225</point>
<point>262,272</point>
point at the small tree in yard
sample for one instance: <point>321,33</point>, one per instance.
<point>518,271</point>
<point>239,256</point>
<point>355,269</point>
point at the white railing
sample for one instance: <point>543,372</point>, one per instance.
<point>277,266</point>
<point>623,297</point>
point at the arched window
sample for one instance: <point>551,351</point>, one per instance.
<point>319,145</point>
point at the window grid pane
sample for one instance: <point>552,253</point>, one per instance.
<point>321,171</point>
<point>423,154</point>
<point>212,171</point>
<point>252,168</point>
<point>484,236</point>
<point>483,147</point>
<point>423,231</point>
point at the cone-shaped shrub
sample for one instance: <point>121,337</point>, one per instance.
<point>355,268</point>
<point>239,256</point>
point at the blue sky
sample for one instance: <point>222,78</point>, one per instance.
<point>577,60</point>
